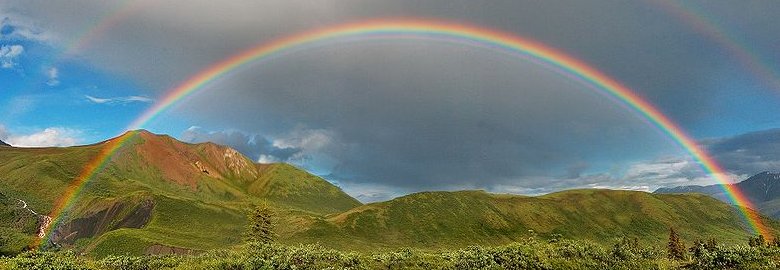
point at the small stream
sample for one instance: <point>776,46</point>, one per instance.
<point>46,219</point>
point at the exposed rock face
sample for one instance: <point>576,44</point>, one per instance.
<point>201,167</point>
<point>182,163</point>
<point>121,214</point>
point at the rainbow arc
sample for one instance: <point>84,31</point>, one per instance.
<point>438,30</point>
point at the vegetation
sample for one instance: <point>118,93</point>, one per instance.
<point>531,253</point>
<point>450,220</point>
<point>676,248</point>
<point>17,226</point>
<point>158,196</point>
<point>261,225</point>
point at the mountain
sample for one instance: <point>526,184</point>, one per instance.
<point>3,144</point>
<point>158,195</point>
<point>463,218</point>
<point>762,189</point>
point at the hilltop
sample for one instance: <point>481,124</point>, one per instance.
<point>763,191</point>
<point>159,195</point>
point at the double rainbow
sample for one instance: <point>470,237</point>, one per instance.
<point>437,30</point>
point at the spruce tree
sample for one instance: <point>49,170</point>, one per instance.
<point>757,241</point>
<point>260,228</point>
<point>676,248</point>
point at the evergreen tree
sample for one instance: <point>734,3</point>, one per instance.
<point>775,242</point>
<point>261,225</point>
<point>711,244</point>
<point>698,249</point>
<point>757,241</point>
<point>676,248</point>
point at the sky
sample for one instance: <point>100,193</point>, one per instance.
<point>386,117</point>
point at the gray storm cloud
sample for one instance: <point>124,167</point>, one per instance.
<point>418,114</point>
<point>748,153</point>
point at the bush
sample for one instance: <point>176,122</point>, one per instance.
<point>560,254</point>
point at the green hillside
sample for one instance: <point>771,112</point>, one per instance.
<point>17,226</point>
<point>458,219</point>
<point>158,195</point>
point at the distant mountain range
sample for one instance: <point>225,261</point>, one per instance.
<point>763,190</point>
<point>159,195</point>
<point>2,143</point>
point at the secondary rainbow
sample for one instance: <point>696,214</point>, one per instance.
<point>447,31</point>
<point>712,30</point>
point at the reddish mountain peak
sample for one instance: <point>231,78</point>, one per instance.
<point>186,163</point>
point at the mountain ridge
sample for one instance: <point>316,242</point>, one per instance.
<point>442,219</point>
<point>762,189</point>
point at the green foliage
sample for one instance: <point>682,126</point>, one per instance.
<point>757,241</point>
<point>260,227</point>
<point>35,260</point>
<point>13,241</point>
<point>17,226</point>
<point>530,253</point>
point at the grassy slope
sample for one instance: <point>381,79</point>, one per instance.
<point>204,211</point>
<point>458,219</point>
<point>17,226</point>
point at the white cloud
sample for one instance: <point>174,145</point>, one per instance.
<point>54,76</point>
<point>8,55</point>
<point>314,148</point>
<point>53,136</point>
<point>21,28</point>
<point>644,176</point>
<point>309,139</point>
<point>674,172</point>
<point>119,100</point>
<point>267,159</point>
<point>369,192</point>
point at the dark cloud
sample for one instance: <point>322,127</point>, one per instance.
<point>404,115</point>
<point>748,153</point>
<point>411,114</point>
<point>638,42</point>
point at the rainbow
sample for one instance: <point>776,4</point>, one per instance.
<point>74,188</point>
<point>710,29</point>
<point>119,13</point>
<point>465,34</point>
<point>74,46</point>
